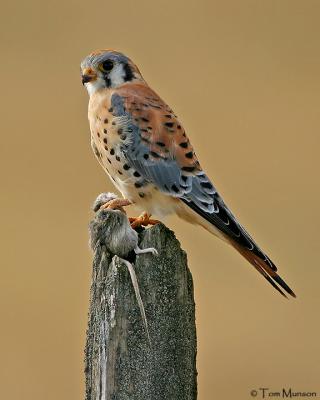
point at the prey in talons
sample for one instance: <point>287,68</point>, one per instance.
<point>111,202</point>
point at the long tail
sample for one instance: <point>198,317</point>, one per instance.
<point>138,296</point>
<point>263,267</point>
<point>223,224</point>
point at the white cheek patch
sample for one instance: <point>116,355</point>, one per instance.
<point>93,86</point>
<point>116,76</point>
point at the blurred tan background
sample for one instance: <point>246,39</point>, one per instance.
<point>243,76</point>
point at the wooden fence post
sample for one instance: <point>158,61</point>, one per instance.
<point>120,363</point>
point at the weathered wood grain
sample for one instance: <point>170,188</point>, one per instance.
<point>120,364</point>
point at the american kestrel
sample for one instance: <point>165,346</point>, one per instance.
<point>144,149</point>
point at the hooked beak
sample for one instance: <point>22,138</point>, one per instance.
<point>88,75</point>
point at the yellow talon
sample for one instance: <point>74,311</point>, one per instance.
<point>142,220</point>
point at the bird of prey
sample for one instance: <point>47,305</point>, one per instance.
<point>143,147</point>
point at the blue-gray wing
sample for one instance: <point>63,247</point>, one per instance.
<point>162,154</point>
<point>160,151</point>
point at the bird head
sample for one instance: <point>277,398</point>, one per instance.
<point>107,69</point>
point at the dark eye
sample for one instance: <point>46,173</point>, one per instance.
<point>107,65</point>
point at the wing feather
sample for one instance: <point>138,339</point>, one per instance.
<point>161,152</point>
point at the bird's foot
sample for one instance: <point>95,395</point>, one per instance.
<point>142,220</point>
<point>116,204</point>
<point>151,250</point>
<point>108,200</point>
